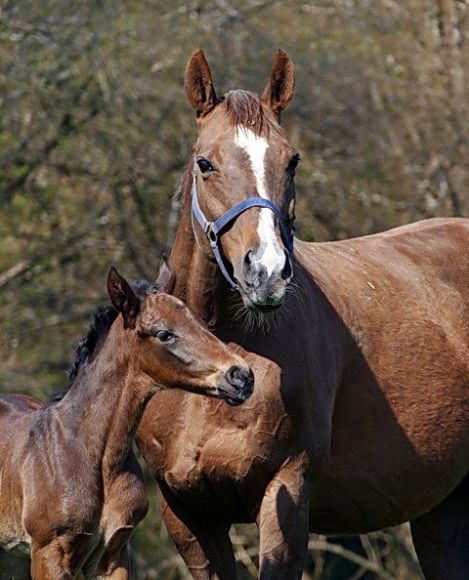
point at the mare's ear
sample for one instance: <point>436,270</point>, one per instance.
<point>123,298</point>
<point>281,87</point>
<point>199,85</point>
<point>166,278</point>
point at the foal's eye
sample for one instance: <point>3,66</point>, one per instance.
<point>293,163</point>
<point>204,165</point>
<point>165,335</point>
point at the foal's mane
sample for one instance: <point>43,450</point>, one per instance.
<point>97,332</point>
<point>99,329</point>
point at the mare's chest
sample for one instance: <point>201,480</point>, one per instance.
<point>235,449</point>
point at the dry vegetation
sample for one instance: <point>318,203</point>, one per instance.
<point>95,132</point>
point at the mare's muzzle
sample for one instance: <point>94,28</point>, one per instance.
<point>214,229</point>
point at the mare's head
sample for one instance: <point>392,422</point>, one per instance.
<point>242,152</point>
<point>171,348</point>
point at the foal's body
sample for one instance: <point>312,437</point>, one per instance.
<point>360,418</point>
<point>71,489</point>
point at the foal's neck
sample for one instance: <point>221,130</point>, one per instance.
<point>104,406</point>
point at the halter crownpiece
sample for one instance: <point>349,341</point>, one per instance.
<point>213,229</point>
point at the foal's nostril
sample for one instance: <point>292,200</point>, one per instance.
<point>250,379</point>
<point>235,376</point>
<point>240,377</point>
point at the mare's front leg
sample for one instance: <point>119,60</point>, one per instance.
<point>441,537</point>
<point>283,523</point>
<point>205,547</point>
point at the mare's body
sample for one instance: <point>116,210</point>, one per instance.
<point>360,418</point>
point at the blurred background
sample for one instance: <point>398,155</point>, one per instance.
<point>95,132</point>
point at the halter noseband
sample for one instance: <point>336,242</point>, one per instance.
<point>213,229</point>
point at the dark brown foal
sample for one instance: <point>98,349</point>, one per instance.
<point>71,489</point>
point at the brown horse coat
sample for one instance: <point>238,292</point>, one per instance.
<point>71,489</point>
<point>360,418</point>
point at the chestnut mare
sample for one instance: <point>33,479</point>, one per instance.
<point>360,418</point>
<point>71,489</point>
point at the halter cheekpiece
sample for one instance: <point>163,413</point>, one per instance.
<point>213,229</point>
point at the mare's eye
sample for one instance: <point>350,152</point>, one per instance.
<point>204,165</point>
<point>165,335</point>
<point>293,163</point>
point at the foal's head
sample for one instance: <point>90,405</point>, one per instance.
<point>242,152</point>
<point>171,349</point>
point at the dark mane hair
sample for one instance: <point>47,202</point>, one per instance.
<point>97,332</point>
<point>245,108</point>
<point>99,328</point>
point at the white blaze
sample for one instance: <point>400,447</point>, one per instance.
<point>270,254</point>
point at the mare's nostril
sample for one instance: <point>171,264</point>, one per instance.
<point>287,270</point>
<point>247,267</point>
<point>248,257</point>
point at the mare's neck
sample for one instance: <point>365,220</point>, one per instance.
<point>198,280</point>
<point>104,406</point>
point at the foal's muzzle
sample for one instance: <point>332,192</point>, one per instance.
<point>238,385</point>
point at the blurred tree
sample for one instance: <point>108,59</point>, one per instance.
<point>95,133</point>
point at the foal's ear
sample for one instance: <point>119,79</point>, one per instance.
<point>199,86</point>
<point>166,278</point>
<point>123,298</point>
<point>281,87</point>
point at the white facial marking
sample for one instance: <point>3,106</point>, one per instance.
<point>270,254</point>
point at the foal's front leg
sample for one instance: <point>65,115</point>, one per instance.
<point>283,523</point>
<point>118,566</point>
<point>61,559</point>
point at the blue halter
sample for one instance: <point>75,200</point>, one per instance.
<point>213,229</point>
